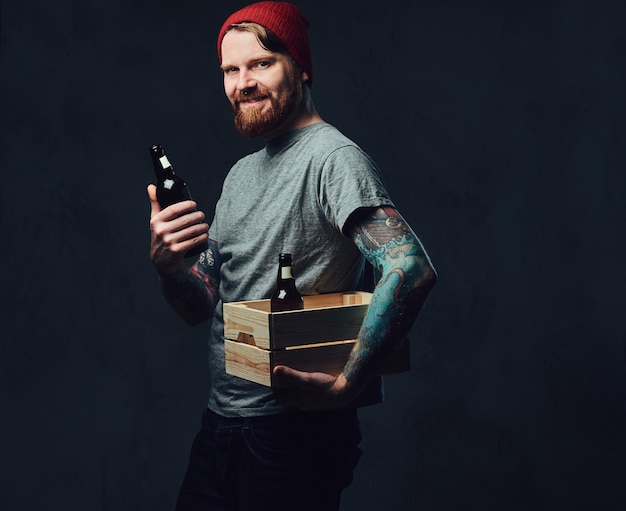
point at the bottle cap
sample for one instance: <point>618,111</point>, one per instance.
<point>284,258</point>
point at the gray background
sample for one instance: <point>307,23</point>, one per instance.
<point>500,129</point>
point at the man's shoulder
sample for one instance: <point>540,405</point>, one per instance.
<point>324,141</point>
<point>329,135</point>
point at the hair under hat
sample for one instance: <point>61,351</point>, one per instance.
<point>285,20</point>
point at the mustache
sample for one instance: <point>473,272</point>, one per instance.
<point>253,96</point>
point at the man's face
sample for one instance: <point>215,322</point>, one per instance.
<point>263,87</point>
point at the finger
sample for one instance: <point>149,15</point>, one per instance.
<point>174,210</point>
<point>281,378</point>
<point>185,238</point>
<point>155,207</point>
<point>179,209</point>
<point>193,221</point>
<point>305,379</point>
<point>287,377</point>
<point>315,382</point>
<point>184,246</point>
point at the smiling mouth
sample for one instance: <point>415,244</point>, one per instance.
<point>251,100</point>
<point>252,103</point>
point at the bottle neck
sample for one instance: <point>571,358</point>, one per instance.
<point>165,167</point>
<point>285,273</point>
<point>162,166</point>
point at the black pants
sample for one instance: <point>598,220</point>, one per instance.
<point>284,462</point>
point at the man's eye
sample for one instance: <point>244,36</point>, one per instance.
<point>262,64</point>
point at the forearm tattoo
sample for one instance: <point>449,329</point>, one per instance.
<point>389,245</point>
<point>194,293</point>
<point>205,269</point>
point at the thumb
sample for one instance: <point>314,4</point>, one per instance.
<point>285,385</point>
<point>155,207</point>
<point>284,376</point>
<point>288,376</point>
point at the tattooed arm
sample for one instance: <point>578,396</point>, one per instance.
<point>387,242</point>
<point>192,292</point>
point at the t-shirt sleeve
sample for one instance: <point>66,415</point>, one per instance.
<point>350,180</point>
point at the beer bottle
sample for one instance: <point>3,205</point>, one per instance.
<point>171,188</point>
<point>286,297</point>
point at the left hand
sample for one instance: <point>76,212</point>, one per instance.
<point>311,391</point>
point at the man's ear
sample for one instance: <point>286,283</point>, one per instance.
<point>305,77</point>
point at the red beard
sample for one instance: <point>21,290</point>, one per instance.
<point>253,122</point>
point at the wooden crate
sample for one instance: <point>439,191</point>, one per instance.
<point>317,338</point>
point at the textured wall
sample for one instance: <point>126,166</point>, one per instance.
<point>500,129</point>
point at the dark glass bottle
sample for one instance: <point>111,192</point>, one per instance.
<point>286,297</point>
<point>171,188</point>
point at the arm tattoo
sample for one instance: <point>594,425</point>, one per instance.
<point>390,245</point>
<point>194,293</point>
<point>206,268</point>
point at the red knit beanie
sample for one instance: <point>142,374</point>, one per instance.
<point>285,20</point>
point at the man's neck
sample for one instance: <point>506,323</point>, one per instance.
<point>301,119</point>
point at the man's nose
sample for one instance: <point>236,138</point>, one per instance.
<point>246,81</point>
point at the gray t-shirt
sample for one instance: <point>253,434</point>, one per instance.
<point>295,195</point>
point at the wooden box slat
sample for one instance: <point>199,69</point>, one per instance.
<point>256,364</point>
<point>328,317</point>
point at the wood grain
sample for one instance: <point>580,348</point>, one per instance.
<point>324,318</point>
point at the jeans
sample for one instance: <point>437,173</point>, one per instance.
<point>300,460</point>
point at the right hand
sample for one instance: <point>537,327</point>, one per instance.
<point>174,230</point>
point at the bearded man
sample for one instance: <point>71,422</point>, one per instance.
<point>313,193</point>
